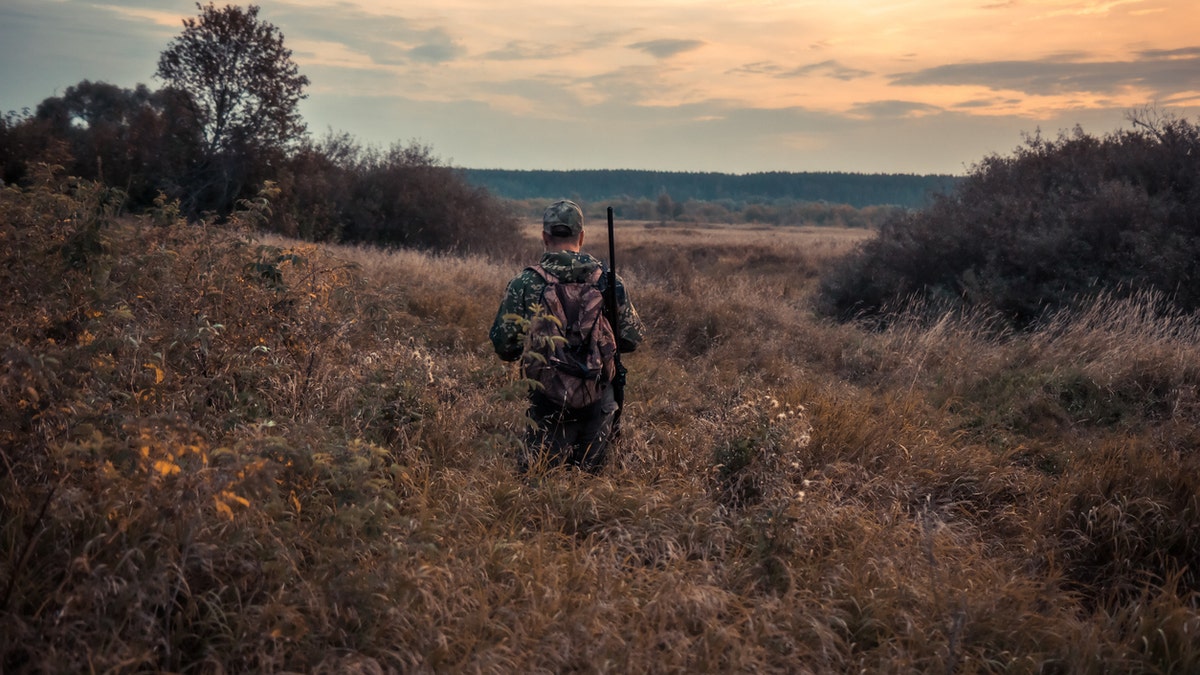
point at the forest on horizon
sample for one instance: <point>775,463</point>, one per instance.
<point>853,189</point>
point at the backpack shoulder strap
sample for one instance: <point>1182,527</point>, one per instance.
<point>593,278</point>
<point>541,272</point>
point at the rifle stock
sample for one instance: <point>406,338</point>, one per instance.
<point>614,319</point>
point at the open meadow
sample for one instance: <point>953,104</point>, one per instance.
<point>230,452</point>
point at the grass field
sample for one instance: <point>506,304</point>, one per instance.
<point>229,453</point>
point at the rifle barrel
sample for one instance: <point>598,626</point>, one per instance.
<point>613,317</point>
<point>612,251</point>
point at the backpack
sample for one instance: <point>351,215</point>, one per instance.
<point>569,346</point>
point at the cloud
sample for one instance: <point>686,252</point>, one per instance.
<point>1170,53</point>
<point>437,47</point>
<point>1163,72</point>
<point>1092,7</point>
<point>976,103</point>
<point>666,48</point>
<point>756,68</point>
<point>892,109</point>
<point>518,50</point>
<point>712,135</point>
<point>104,46</point>
<point>829,68</point>
<point>549,96</point>
<point>530,50</point>
<point>387,40</point>
<point>632,85</point>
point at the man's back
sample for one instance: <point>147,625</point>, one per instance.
<point>565,430</point>
<point>525,290</point>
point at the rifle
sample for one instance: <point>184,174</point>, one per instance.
<point>614,320</point>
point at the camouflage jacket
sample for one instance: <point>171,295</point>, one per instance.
<point>525,290</point>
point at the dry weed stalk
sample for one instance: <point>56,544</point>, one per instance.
<point>231,453</point>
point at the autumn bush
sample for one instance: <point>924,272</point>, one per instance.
<point>228,451</point>
<point>1055,223</point>
<point>148,144</point>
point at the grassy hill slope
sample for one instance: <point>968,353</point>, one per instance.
<point>228,453</point>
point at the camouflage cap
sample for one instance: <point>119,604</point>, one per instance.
<point>563,219</point>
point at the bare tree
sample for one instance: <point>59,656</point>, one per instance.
<point>665,207</point>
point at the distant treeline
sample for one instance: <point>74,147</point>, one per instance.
<point>854,189</point>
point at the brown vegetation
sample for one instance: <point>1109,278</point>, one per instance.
<point>1046,228</point>
<point>223,453</point>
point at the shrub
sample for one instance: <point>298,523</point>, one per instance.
<point>148,144</point>
<point>1057,221</point>
<point>407,198</point>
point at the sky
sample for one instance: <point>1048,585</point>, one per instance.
<point>733,86</point>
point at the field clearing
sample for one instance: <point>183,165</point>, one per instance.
<point>788,240</point>
<point>777,264</point>
<point>225,452</point>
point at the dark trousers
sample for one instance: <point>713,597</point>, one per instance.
<point>571,437</point>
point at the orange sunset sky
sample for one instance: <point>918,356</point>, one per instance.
<point>917,86</point>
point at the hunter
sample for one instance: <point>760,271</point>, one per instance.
<point>552,320</point>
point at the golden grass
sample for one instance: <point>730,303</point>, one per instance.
<point>231,453</point>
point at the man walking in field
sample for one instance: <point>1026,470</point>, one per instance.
<point>552,318</point>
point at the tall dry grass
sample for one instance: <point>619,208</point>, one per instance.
<point>229,453</point>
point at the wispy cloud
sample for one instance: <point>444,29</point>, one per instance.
<point>664,49</point>
<point>532,50</point>
<point>1162,72</point>
<point>828,68</point>
<point>756,68</point>
<point>1186,52</point>
<point>893,109</point>
<point>437,47</point>
<point>631,85</point>
<point>100,44</point>
<point>978,103</point>
<point>1092,7</point>
<point>526,50</point>
<point>384,39</point>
